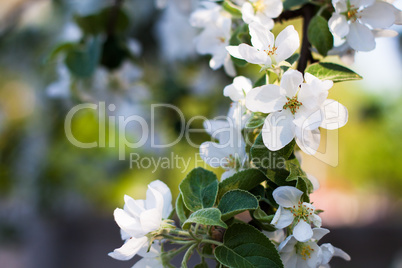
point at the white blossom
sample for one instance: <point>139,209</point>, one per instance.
<point>265,49</point>
<point>261,11</point>
<point>238,90</point>
<point>308,254</point>
<point>141,217</point>
<point>355,20</point>
<point>214,37</point>
<point>230,152</point>
<point>296,109</point>
<point>292,211</point>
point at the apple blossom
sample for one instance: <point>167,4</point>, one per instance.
<point>355,19</point>
<point>261,11</point>
<point>293,211</point>
<point>214,37</point>
<point>308,254</point>
<point>296,109</point>
<point>265,49</point>
<point>238,90</point>
<point>141,217</point>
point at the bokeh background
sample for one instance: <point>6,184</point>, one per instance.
<point>57,200</point>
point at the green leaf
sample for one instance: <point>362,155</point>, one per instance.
<point>61,48</point>
<point>246,247</point>
<point>206,216</point>
<point>256,120</point>
<point>82,61</point>
<point>199,189</point>
<point>261,82</point>
<point>182,212</point>
<point>263,220</point>
<point>232,9</point>
<point>292,59</point>
<point>243,180</point>
<point>319,35</point>
<point>235,202</point>
<point>298,175</point>
<point>239,36</point>
<point>292,4</point>
<point>265,159</point>
<point>332,71</point>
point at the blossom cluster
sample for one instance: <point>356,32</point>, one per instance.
<point>276,116</point>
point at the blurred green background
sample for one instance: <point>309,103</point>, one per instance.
<point>57,200</point>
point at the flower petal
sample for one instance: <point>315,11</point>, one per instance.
<point>154,250</point>
<point>283,218</point>
<point>154,199</point>
<point>247,12</point>
<point>234,51</point>
<point>338,25</point>
<point>319,233</point>
<point>378,15</point>
<point>148,263</point>
<point>229,66</point>
<point>150,220</point>
<point>340,253</point>
<point>291,80</point>
<point>287,196</point>
<point>252,55</point>
<point>308,140</point>
<point>215,154</point>
<point>314,181</point>
<point>134,207</point>
<point>167,196</point>
<point>288,246</point>
<point>218,59</point>
<point>278,130</point>
<point>129,249</point>
<point>273,8</point>
<point>335,115</point>
<point>286,42</point>
<point>261,37</point>
<point>240,87</point>
<point>127,223</point>
<point>360,37</point>
<point>217,128</point>
<point>265,99</point>
<point>302,231</point>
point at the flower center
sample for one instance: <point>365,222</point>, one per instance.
<point>222,39</point>
<point>259,6</point>
<point>302,212</point>
<point>233,162</point>
<point>271,51</point>
<point>304,250</point>
<point>293,104</point>
<point>352,12</point>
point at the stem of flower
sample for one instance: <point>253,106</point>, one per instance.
<point>179,232</point>
<point>187,256</point>
<point>214,242</point>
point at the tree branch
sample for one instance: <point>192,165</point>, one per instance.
<point>305,52</point>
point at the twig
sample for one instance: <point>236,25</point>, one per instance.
<point>305,52</point>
